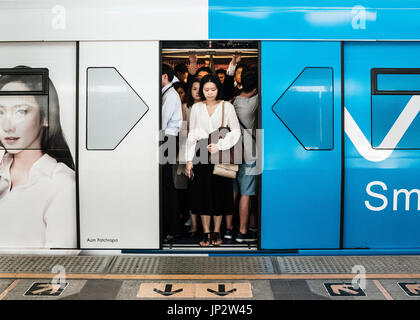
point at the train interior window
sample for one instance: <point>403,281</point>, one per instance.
<point>236,65</point>
<point>395,97</point>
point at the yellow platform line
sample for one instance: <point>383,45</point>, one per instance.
<point>308,276</point>
<point>383,290</point>
<point>9,288</point>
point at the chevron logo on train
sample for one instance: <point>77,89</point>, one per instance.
<point>393,137</point>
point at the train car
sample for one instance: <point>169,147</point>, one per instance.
<point>80,115</point>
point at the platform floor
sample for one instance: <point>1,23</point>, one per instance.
<point>131,277</point>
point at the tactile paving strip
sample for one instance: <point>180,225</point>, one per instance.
<point>211,265</point>
<point>345,264</point>
<point>192,265</point>
<point>38,264</point>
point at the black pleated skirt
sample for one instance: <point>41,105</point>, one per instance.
<point>210,194</point>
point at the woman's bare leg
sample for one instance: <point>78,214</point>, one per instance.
<point>229,217</point>
<point>193,227</point>
<point>217,222</point>
<point>205,220</point>
<point>244,207</point>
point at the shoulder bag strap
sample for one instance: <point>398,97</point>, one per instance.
<point>245,128</point>
<point>167,90</point>
<point>223,113</point>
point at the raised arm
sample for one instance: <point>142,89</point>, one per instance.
<point>192,68</point>
<point>232,65</point>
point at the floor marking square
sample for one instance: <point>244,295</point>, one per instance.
<point>46,289</point>
<point>166,290</point>
<point>224,290</point>
<point>343,290</point>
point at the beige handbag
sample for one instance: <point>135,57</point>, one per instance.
<point>226,170</point>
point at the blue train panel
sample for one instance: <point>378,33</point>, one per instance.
<point>327,20</point>
<point>382,146</point>
<point>301,118</point>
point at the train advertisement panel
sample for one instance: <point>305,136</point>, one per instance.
<point>37,145</point>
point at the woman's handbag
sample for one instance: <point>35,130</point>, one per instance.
<point>226,170</point>
<point>225,160</point>
<point>180,179</point>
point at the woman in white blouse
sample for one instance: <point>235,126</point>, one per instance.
<point>210,195</point>
<point>37,183</point>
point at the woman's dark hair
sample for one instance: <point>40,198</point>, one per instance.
<point>244,69</point>
<point>53,142</point>
<point>180,67</point>
<point>189,98</point>
<point>211,78</point>
<point>206,69</point>
<point>223,71</point>
<point>243,66</point>
<point>180,84</point>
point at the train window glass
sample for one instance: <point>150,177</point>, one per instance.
<point>394,108</point>
<point>113,108</point>
<point>306,108</point>
<point>398,82</point>
<point>35,80</point>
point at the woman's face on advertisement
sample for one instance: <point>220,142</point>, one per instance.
<point>210,91</point>
<point>20,120</point>
<point>195,91</point>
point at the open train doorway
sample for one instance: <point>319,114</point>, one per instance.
<point>201,210</point>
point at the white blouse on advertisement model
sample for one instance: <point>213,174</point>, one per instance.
<point>41,213</point>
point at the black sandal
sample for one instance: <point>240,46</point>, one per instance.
<point>205,240</point>
<point>193,234</point>
<point>216,238</point>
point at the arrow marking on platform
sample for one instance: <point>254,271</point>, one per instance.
<point>222,291</point>
<point>338,289</point>
<point>343,289</point>
<point>168,291</point>
<point>45,289</point>
<point>412,289</point>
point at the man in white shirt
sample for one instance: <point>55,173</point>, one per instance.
<point>171,104</point>
<point>171,123</point>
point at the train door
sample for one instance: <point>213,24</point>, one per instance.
<point>38,145</point>
<point>382,146</point>
<point>215,57</point>
<point>301,117</point>
<point>119,165</point>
